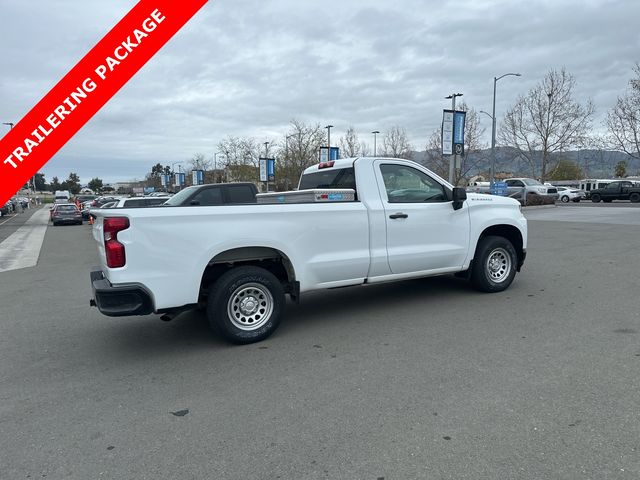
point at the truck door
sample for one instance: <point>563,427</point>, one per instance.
<point>424,232</point>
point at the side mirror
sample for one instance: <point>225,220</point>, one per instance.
<point>459,196</point>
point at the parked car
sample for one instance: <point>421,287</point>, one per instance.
<point>571,194</point>
<point>62,196</point>
<point>66,213</point>
<point>140,202</point>
<point>85,198</point>
<point>515,187</point>
<point>215,194</point>
<point>98,202</point>
<point>7,208</point>
<point>619,190</point>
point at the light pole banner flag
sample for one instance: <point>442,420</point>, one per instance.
<point>87,87</point>
<point>447,132</point>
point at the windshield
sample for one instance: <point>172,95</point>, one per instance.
<point>530,181</point>
<point>180,197</point>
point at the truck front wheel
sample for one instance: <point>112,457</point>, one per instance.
<point>494,265</point>
<point>245,304</point>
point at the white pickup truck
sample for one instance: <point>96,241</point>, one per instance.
<point>239,261</point>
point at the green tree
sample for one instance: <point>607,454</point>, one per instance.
<point>565,170</point>
<point>72,184</point>
<point>41,184</point>
<point>95,184</point>
<point>55,184</point>
<point>620,169</point>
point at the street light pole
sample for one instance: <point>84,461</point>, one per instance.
<point>452,160</point>
<point>493,128</point>
<point>33,179</point>
<point>375,133</point>
<point>329,127</point>
<point>266,156</point>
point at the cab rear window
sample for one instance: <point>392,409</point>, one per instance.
<point>329,178</point>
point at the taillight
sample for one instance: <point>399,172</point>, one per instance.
<point>114,250</point>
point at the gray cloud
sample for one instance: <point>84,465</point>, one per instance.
<point>248,67</point>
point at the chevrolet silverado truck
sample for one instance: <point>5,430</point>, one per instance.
<point>351,222</point>
<point>620,190</point>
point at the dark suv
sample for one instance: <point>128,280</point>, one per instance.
<point>214,194</point>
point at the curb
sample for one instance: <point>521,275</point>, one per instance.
<point>536,207</point>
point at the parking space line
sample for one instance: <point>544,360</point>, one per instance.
<point>10,217</point>
<point>22,248</point>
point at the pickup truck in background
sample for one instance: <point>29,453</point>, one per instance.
<point>352,222</point>
<point>519,188</point>
<point>619,190</point>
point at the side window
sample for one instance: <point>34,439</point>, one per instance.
<point>612,186</point>
<point>408,185</point>
<point>240,194</point>
<point>207,197</point>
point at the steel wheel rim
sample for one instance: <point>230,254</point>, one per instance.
<point>250,306</point>
<point>498,265</point>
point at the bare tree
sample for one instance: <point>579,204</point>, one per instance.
<point>298,151</point>
<point>623,121</point>
<point>349,144</point>
<point>365,149</point>
<point>200,162</point>
<point>547,120</point>
<point>395,143</point>
<point>473,148</point>
<point>240,158</point>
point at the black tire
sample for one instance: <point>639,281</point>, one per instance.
<point>634,197</point>
<point>55,224</point>
<point>264,297</point>
<point>595,198</point>
<point>565,199</point>
<point>494,264</point>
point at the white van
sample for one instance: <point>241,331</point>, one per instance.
<point>62,196</point>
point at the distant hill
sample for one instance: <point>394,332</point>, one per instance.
<point>593,163</point>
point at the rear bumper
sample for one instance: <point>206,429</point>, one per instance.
<point>120,300</point>
<point>66,219</point>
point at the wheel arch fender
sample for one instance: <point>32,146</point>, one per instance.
<point>272,259</point>
<point>508,231</point>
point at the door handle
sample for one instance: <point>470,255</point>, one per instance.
<point>398,215</point>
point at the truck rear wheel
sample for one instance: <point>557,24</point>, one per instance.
<point>634,197</point>
<point>595,198</point>
<point>494,265</point>
<point>245,304</point>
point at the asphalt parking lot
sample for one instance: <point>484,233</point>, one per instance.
<point>418,379</point>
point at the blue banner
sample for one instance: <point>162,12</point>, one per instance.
<point>458,128</point>
<point>271,169</point>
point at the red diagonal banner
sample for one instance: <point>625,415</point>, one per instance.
<point>87,87</point>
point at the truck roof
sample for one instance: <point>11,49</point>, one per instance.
<point>348,162</point>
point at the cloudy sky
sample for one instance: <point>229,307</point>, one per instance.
<point>247,67</point>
